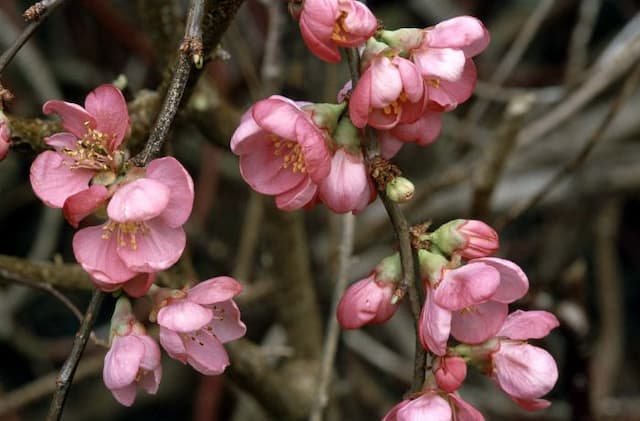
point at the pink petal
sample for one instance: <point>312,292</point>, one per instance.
<point>247,134</point>
<point>139,285</point>
<point>471,284</point>
<point>226,324</point>
<point>157,247</point>
<point>84,203</point>
<point>151,358</point>
<point>139,200</point>
<point>440,63</point>
<point>172,343</point>
<point>126,395</point>
<point>428,406</point>
<point>99,257</point>
<point>172,174</point>
<point>278,115</point>
<point>464,410</point>
<point>61,141</point>
<point>389,144</point>
<point>75,119</point>
<point>264,171</point>
<point>424,131</point>
<point>514,283</point>
<point>214,290</point>
<point>448,94</point>
<point>360,100</point>
<point>348,187</point>
<point>462,32</point>
<point>523,325</point>
<point>109,108</point>
<point>524,371</point>
<point>478,323</point>
<point>364,302</point>
<point>184,316</point>
<point>150,381</point>
<point>531,404</point>
<point>360,24</point>
<point>322,48</point>
<point>435,326</point>
<point>122,361</point>
<point>298,197</point>
<point>206,354</point>
<point>53,181</point>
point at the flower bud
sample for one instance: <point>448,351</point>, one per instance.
<point>325,115</point>
<point>432,266</point>
<point>450,373</point>
<point>389,270</point>
<point>5,136</point>
<point>404,39</point>
<point>366,302</point>
<point>467,237</point>
<point>347,135</point>
<point>400,190</point>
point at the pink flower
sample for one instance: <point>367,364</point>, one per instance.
<point>391,91</point>
<point>434,406</point>
<point>444,59</point>
<point>194,324</point>
<point>93,135</point>
<point>282,152</point>
<point>468,238</point>
<point>369,301</point>
<point>348,187</point>
<point>450,372</point>
<point>422,132</point>
<point>144,232</point>
<point>328,24</point>
<point>5,137</point>
<point>133,360</point>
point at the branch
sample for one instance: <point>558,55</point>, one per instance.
<point>63,382</point>
<point>36,14</point>
<point>60,275</point>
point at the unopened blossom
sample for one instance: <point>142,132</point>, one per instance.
<point>433,405</point>
<point>144,232</point>
<point>328,24</point>
<point>369,301</point>
<point>468,238</point>
<point>450,372</point>
<point>88,146</point>
<point>282,152</point>
<point>348,187</point>
<point>391,91</point>
<point>133,360</point>
<point>5,137</point>
<point>195,323</point>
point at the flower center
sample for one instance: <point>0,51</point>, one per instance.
<point>434,83</point>
<point>290,152</point>
<point>125,232</point>
<point>339,28</point>
<point>395,106</point>
<point>91,151</point>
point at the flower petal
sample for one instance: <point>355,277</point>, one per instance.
<point>184,316</point>
<point>514,283</point>
<point>523,325</point>
<point>172,174</point>
<point>214,290</point>
<point>126,395</point>
<point>122,361</point>
<point>75,119</point>
<point>139,200</point>
<point>468,285</point>
<point>478,323</point>
<point>53,181</point>
<point>435,326</point>
<point>298,197</point>
<point>61,141</point>
<point>206,354</point>
<point>172,343</point>
<point>84,203</point>
<point>157,247</point>
<point>106,103</point>
<point>226,324</point>
<point>524,371</point>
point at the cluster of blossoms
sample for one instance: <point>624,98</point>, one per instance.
<point>469,303</point>
<point>142,212</point>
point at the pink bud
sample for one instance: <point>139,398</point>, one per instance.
<point>5,137</point>
<point>450,373</point>
<point>467,237</point>
<point>366,302</point>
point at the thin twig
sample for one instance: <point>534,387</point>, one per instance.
<point>580,37</point>
<point>10,53</point>
<point>572,165</point>
<point>63,382</point>
<point>401,228</point>
<point>333,329</point>
<point>508,62</point>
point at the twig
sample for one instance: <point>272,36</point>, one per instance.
<point>401,228</point>
<point>249,237</point>
<point>60,275</point>
<point>333,330</point>
<point>580,37</point>
<point>9,54</point>
<point>192,43</point>
<point>508,62</point>
<point>63,382</point>
<point>572,165</point>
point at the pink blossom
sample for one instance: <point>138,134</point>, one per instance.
<point>194,324</point>
<point>282,152</point>
<point>391,91</point>
<point>366,302</point>
<point>434,406</point>
<point>87,147</point>
<point>444,59</point>
<point>422,132</point>
<point>328,24</point>
<point>5,137</point>
<point>348,187</point>
<point>133,360</point>
<point>468,238</point>
<point>144,232</point>
<point>450,372</point>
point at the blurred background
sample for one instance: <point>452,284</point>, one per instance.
<point>546,151</point>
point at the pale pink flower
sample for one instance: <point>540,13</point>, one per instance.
<point>282,152</point>
<point>468,238</point>
<point>450,372</point>
<point>132,361</point>
<point>366,302</point>
<point>434,406</point>
<point>391,91</point>
<point>194,324</point>
<point>444,59</point>
<point>328,24</point>
<point>348,187</point>
<point>5,137</point>
<point>144,232</point>
<point>93,135</point>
